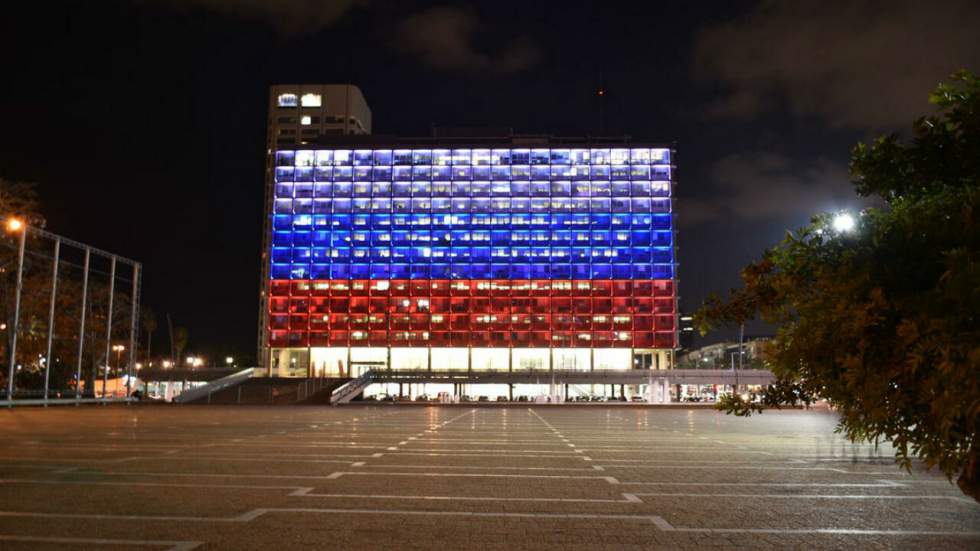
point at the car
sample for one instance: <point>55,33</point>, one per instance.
<point>638,399</point>
<point>483,399</point>
<point>502,399</point>
<point>421,398</point>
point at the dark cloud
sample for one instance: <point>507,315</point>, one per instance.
<point>768,186</point>
<point>444,37</point>
<point>862,64</point>
<point>286,16</point>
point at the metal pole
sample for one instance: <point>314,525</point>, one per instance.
<point>134,300</point>
<point>741,336</point>
<point>13,330</point>
<point>54,292</point>
<point>81,330</point>
<point>108,326</point>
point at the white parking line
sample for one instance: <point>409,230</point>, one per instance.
<point>816,496</point>
<point>656,520</point>
<point>170,545</point>
<point>627,498</point>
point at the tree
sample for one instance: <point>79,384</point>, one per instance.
<point>180,343</point>
<point>20,199</point>
<point>884,321</point>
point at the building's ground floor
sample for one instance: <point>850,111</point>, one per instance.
<point>353,361</point>
<point>661,391</point>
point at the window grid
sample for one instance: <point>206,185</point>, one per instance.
<point>558,247</point>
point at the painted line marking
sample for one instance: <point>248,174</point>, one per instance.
<point>630,499</point>
<point>171,545</point>
<point>609,479</point>
<point>814,496</point>
<point>658,521</point>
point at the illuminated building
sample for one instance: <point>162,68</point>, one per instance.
<point>441,247</point>
<point>503,254</point>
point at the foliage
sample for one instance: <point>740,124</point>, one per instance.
<point>180,343</point>
<point>20,199</point>
<point>884,322</point>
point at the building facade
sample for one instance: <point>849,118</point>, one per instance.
<point>414,254</point>
<point>301,113</point>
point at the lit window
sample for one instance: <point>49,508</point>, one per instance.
<point>287,100</point>
<point>310,100</point>
<point>305,120</point>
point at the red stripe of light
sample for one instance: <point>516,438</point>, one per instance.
<point>479,313</point>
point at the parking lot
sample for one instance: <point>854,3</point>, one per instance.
<point>517,477</point>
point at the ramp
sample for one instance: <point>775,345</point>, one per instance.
<point>205,391</point>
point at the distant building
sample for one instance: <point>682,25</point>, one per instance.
<point>302,113</point>
<point>685,331</point>
<point>723,355</point>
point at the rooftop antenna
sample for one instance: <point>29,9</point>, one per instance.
<point>601,95</point>
<point>350,70</point>
<point>600,91</point>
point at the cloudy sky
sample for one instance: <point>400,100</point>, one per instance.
<point>143,121</point>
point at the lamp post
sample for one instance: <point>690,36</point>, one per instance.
<point>15,225</point>
<point>118,349</point>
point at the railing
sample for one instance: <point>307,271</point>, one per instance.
<point>347,391</point>
<point>208,389</point>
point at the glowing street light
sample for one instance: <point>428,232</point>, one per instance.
<point>843,223</point>
<point>14,224</point>
<point>118,349</point>
<point>167,364</point>
<point>229,360</point>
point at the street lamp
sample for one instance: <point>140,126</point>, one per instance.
<point>118,349</point>
<point>229,360</point>
<point>843,222</point>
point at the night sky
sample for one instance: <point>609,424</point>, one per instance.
<point>143,122</point>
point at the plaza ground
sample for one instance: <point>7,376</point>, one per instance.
<point>388,476</point>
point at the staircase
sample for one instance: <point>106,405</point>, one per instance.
<point>351,389</point>
<point>204,392</point>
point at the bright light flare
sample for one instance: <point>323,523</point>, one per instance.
<point>843,223</point>
<point>14,224</point>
